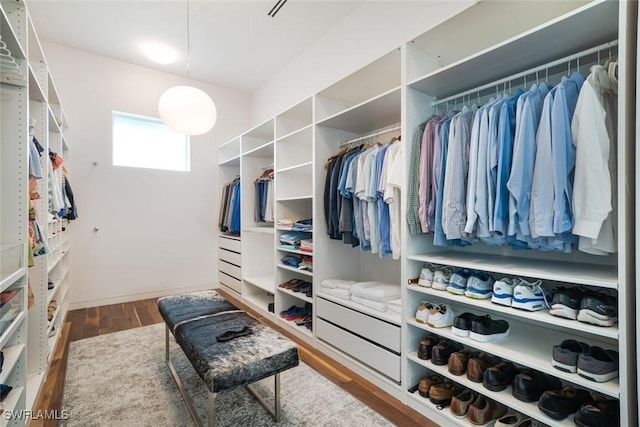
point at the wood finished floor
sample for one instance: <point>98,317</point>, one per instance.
<point>90,322</point>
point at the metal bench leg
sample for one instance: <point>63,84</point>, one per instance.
<point>275,411</point>
<point>183,393</point>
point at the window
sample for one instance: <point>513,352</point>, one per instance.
<point>145,142</point>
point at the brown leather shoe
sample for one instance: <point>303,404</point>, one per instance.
<point>477,365</point>
<point>460,404</point>
<point>441,394</point>
<point>426,346</point>
<point>483,410</point>
<point>442,351</point>
<point>427,382</point>
<point>458,362</point>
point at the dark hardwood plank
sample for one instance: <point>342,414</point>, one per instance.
<point>91,322</point>
<point>105,322</point>
<point>76,319</point>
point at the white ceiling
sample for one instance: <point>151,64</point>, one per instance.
<point>234,43</point>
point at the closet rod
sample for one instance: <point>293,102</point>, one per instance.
<point>373,135</point>
<point>523,74</point>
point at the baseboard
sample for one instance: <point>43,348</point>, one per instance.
<point>135,297</point>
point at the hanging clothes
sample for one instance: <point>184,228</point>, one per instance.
<point>229,214</point>
<point>264,194</point>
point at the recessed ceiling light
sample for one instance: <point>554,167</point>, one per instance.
<point>160,54</point>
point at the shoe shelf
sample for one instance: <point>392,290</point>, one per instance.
<point>505,397</point>
<point>293,251</point>
<point>56,286</point>
<point>386,316</point>
<point>291,324</point>
<point>423,404</point>
<point>10,331</point>
<point>603,276</point>
<point>286,267</point>
<point>11,356</point>
<point>261,302</point>
<point>11,401</point>
<point>298,295</point>
<point>12,265</point>
<point>523,347</point>
<point>542,316</point>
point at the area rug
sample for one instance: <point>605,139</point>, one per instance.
<point>120,379</point>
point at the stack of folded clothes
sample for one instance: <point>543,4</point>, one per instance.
<point>286,223</point>
<point>302,316</point>
<point>292,239</point>
<point>303,225</point>
<point>395,306</point>
<point>306,263</point>
<point>337,287</point>
<point>375,295</point>
<point>291,261</point>
<point>306,245</point>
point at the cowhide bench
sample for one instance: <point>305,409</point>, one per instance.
<point>196,319</point>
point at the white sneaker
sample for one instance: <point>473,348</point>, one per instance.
<point>503,291</point>
<point>441,316</point>
<point>426,276</point>
<point>479,286</point>
<point>441,278</point>
<point>422,314</point>
<point>529,296</point>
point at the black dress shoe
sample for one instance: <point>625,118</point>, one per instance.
<point>498,377</point>
<point>558,404</point>
<point>529,385</point>
<point>229,335</point>
<point>441,352</point>
<point>598,413</point>
<point>426,346</point>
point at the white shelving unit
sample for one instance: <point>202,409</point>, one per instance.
<point>399,88</point>
<point>533,335</point>
<point>30,108</point>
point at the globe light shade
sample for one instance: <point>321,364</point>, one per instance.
<point>188,110</point>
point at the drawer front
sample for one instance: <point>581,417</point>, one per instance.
<point>230,244</point>
<point>370,354</point>
<point>230,282</point>
<point>376,330</point>
<point>230,257</point>
<point>230,269</point>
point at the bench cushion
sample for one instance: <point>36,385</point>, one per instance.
<point>225,365</point>
<point>178,308</point>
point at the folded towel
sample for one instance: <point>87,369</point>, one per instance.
<point>395,305</point>
<point>376,291</point>
<point>339,293</point>
<point>337,283</point>
<point>378,306</point>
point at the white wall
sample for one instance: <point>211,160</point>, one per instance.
<point>367,33</point>
<point>157,229</point>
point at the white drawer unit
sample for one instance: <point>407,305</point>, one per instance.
<point>379,358</point>
<point>229,263</point>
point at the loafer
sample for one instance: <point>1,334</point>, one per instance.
<point>427,382</point>
<point>565,355</point>
<point>458,362</point>
<point>426,346</point>
<point>477,366</point>
<point>558,404</point>
<point>460,404</point>
<point>498,377</point>
<point>484,410</point>
<point>462,324</point>
<point>529,385</point>
<point>442,393</point>
<point>229,335</point>
<point>598,364</point>
<point>599,412</point>
<point>441,352</point>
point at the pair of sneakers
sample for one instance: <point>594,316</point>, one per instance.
<point>436,277</point>
<point>477,285</point>
<point>435,315</point>
<point>518,293</point>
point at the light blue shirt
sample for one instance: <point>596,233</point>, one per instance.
<point>383,207</point>
<point>524,150</point>
<point>564,155</point>
<point>506,131</point>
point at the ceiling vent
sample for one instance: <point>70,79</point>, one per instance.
<point>276,8</point>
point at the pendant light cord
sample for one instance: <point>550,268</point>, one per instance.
<point>188,43</point>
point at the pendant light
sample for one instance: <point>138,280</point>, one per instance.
<point>187,109</point>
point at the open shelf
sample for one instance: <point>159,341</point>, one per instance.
<point>387,317</point>
<point>526,346</point>
<point>301,166</point>
<point>8,334</point>
<point>53,122</point>
<point>541,316</point>
<point>293,251</point>
<point>264,150</point>
<point>10,36</point>
<point>259,301</point>
<point>233,161</point>
<point>12,265</point>
<point>298,295</point>
<point>267,230</point>
<point>286,267</point>
<point>263,282</point>
<point>9,403</point>
<point>11,356</point>
<point>35,90</point>
<point>583,274</point>
<point>296,328</point>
